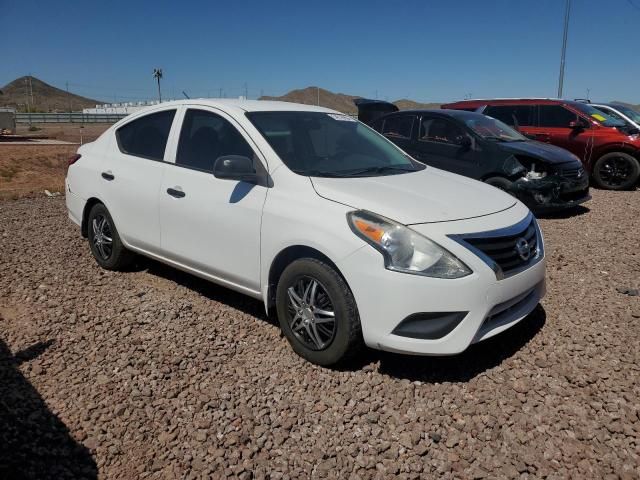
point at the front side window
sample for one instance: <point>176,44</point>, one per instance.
<point>513,115</point>
<point>492,129</point>
<point>398,126</point>
<point>329,145</point>
<point>205,137</point>
<point>146,136</point>
<point>439,130</point>
<point>555,116</point>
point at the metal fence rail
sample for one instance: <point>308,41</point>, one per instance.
<point>30,118</point>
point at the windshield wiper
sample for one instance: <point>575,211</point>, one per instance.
<point>498,139</point>
<point>380,169</point>
<point>320,173</point>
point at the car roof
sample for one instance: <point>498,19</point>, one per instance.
<point>443,112</point>
<point>248,105</point>
<point>511,101</point>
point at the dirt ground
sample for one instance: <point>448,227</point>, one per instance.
<point>70,132</point>
<point>153,373</point>
<point>30,169</point>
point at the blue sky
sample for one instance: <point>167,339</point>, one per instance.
<point>427,50</point>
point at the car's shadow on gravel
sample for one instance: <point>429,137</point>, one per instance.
<point>34,443</point>
<point>460,368</point>
<point>576,211</point>
<point>477,359</point>
<point>207,289</point>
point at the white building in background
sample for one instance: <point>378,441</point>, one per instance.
<point>124,108</point>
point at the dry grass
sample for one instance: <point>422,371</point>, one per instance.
<point>29,169</point>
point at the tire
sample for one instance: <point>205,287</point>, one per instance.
<point>313,335</point>
<point>502,183</point>
<point>616,171</point>
<point>100,228</point>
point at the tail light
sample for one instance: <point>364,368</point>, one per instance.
<point>74,158</point>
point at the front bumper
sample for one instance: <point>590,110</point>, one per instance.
<point>386,298</point>
<point>552,193</point>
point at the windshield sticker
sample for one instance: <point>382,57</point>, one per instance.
<point>598,117</point>
<point>341,117</point>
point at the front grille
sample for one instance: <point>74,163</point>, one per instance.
<point>571,173</point>
<point>508,250</point>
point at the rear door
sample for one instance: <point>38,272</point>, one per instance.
<point>131,177</point>
<point>554,128</point>
<point>520,117</point>
<point>399,129</point>
<point>439,144</point>
<point>209,224</point>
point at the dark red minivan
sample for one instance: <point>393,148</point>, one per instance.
<point>608,148</point>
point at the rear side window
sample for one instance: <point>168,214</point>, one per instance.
<point>555,116</point>
<point>512,115</point>
<point>398,126</point>
<point>205,137</point>
<point>147,136</point>
<point>439,130</point>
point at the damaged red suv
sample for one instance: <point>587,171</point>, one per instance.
<point>608,148</point>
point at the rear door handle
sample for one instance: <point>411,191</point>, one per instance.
<point>176,192</point>
<point>543,137</point>
<point>108,175</point>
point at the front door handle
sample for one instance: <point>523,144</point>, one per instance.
<point>108,175</point>
<point>176,192</point>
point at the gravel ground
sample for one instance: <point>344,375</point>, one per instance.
<point>156,374</point>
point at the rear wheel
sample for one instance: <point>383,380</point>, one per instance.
<point>317,313</point>
<point>616,171</point>
<point>104,241</point>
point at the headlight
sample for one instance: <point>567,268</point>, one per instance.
<point>405,250</point>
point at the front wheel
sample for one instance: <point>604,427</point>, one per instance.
<point>317,313</point>
<point>616,171</point>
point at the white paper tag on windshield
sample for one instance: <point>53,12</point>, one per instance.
<point>341,117</point>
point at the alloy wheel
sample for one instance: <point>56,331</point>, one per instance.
<point>615,171</point>
<point>102,236</point>
<point>311,313</point>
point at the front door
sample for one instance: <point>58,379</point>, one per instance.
<point>209,224</point>
<point>554,128</point>
<point>443,144</point>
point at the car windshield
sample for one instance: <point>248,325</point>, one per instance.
<point>321,144</point>
<point>492,129</point>
<point>598,115</point>
<point>629,112</point>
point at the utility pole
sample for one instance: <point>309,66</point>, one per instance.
<point>157,74</point>
<point>318,92</point>
<point>246,91</point>
<point>564,47</point>
<point>69,96</point>
<point>31,89</point>
<point>26,94</point>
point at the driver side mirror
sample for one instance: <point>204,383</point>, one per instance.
<point>464,141</point>
<point>235,167</point>
<point>579,124</point>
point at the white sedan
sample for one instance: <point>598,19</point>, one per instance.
<point>348,238</point>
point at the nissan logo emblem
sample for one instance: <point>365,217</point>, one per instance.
<point>522,249</point>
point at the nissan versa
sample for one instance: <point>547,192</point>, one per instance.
<point>543,176</point>
<point>320,217</point>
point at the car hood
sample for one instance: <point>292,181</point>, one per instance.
<point>543,151</point>
<point>426,196</point>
